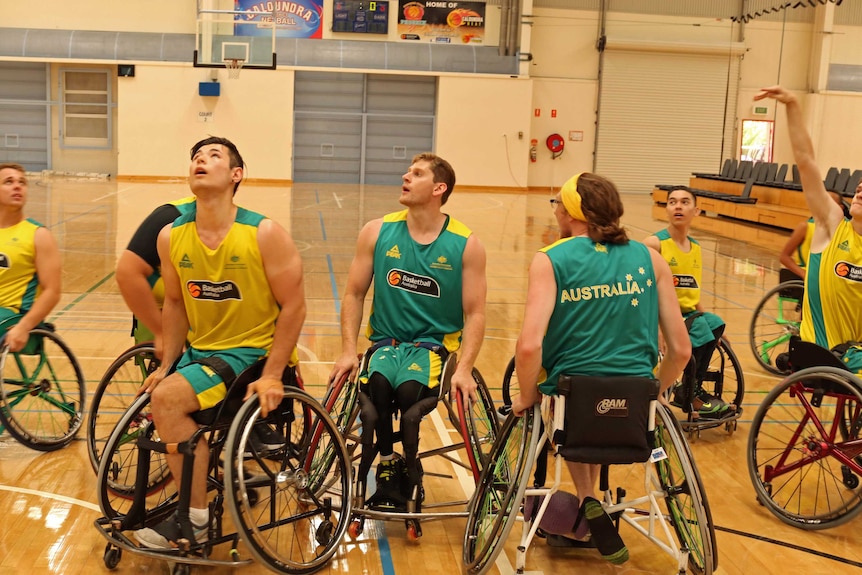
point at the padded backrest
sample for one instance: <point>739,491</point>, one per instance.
<point>852,183</point>
<point>797,179</point>
<point>804,354</point>
<point>729,168</point>
<point>759,171</point>
<point>780,174</point>
<point>744,170</point>
<point>607,418</point>
<point>771,170</point>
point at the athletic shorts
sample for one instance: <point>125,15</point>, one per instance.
<point>405,362</point>
<point>701,331</point>
<point>852,358</point>
<point>208,385</point>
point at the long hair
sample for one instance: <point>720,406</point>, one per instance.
<point>603,208</point>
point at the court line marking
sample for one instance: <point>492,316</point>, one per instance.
<point>49,495</point>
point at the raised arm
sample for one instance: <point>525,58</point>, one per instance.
<point>473,294</point>
<point>283,268</point>
<point>826,214</point>
<point>359,279</point>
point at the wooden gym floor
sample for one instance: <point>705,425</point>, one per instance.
<point>48,500</point>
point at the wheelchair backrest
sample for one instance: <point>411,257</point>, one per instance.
<point>804,354</point>
<point>609,420</point>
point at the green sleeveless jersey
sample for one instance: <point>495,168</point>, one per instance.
<point>605,319</point>
<point>417,288</point>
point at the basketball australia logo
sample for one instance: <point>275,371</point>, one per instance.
<point>5,264</point>
<point>407,281</point>
<point>848,271</point>
<point>213,291</point>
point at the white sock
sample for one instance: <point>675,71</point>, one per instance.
<point>199,517</point>
<point>389,457</point>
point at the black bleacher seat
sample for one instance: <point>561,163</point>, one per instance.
<point>771,171</point>
<point>744,198</point>
<point>852,183</point>
<point>831,176</point>
<point>743,173</point>
<point>781,174</point>
<point>797,179</point>
<point>728,172</point>
<point>841,181</point>
<point>758,172</point>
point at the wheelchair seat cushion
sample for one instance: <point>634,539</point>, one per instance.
<point>804,354</point>
<point>607,419</point>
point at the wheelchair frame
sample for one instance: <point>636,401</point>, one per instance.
<point>805,449</point>
<point>670,474</point>
<point>478,426</point>
<point>771,337</point>
<point>41,401</point>
<point>274,498</point>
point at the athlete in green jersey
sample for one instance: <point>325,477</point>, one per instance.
<point>595,301</point>
<point>428,272</point>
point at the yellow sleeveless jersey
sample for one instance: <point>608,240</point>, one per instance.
<point>687,269</point>
<point>833,291</point>
<point>19,284</point>
<point>226,293</point>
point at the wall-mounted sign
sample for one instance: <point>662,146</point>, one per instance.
<point>369,17</point>
<point>293,18</point>
<point>442,22</point>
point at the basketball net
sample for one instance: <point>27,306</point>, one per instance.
<point>234,66</point>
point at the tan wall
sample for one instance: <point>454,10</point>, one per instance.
<point>167,16</point>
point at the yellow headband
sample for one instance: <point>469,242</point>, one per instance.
<point>572,199</point>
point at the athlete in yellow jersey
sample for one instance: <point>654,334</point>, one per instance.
<point>833,285</point>
<point>794,255</point>
<point>29,262</point>
<point>233,287</point>
<point>684,256</point>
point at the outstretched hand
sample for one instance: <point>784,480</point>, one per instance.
<point>776,93</point>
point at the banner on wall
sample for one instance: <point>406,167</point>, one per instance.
<point>440,21</point>
<point>293,18</point>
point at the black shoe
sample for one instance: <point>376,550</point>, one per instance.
<point>263,440</point>
<point>389,495</point>
<point>165,534</point>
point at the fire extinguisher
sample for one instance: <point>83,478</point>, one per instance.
<point>533,144</point>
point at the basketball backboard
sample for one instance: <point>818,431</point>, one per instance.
<point>225,36</point>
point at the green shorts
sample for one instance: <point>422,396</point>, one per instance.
<point>8,318</point>
<point>852,358</point>
<point>405,362</point>
<point>702,328</point>
<point>208,385</point>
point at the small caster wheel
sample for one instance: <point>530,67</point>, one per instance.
<point>323,533</point>
<point>112,556</point>
<point>414,531</point>
<point>356,527</point>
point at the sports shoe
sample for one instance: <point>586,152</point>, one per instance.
<point>263,440</point>
<point>165,534</point>
<point>710,406</point>
<point>390,475</point>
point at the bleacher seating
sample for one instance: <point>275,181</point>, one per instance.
<point>758,192</point>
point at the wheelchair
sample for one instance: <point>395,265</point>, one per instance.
<point>804,447</point>
<point>476,421</point>
<point>583,424</point>
<point>776,319</point>
<point>42,391</point>
<point>116,391</point>
<point>288,510</point>
<point>723,379</point>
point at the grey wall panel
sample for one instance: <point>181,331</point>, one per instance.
<point>328,91</point>
<point>24,114</point>
<point>844,77</point>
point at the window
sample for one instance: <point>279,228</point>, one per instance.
<point>86,109</point>
<point>756,140</point>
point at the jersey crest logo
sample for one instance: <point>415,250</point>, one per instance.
<point>394,252</point>
<point>441,264</point>
<point>422,285</point>
<point>213,291</point>
<point>5,264</point>
<point>848,271</point>
<point>844,246</point>
<point>672,262</point>
<point>685,282</point>
<point>186,262</point>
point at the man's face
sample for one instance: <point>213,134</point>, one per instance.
<point>418,185</point>
<point>856,202</point>
<point>210,169</point>
<point>13,187</point>
<point>680,207</point>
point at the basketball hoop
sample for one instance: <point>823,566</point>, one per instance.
<point>233,65</point>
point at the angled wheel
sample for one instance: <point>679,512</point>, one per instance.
<point>296,521</point>
<point>800,461</point>
<point>115,393</point>
<point>510,384</point>
<point>342,404</point>
<point>493,509</point>
<point>685,496</point>
<point>776,319</point>
<point>42,392</point>
<point>479,425</point>
<point>724,377</point>
<point>121,468</point>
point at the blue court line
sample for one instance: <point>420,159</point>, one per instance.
<point>334,285</point>
<point>322,226</point>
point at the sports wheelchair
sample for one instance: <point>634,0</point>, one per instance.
<point>289,506</point>
<point>42,390</point>
<point>776,319</point>
<point>116,391</point>
<point>476,421</point>
<point>804,446</point>
<point>604,421</point>
<point>723,380</point>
